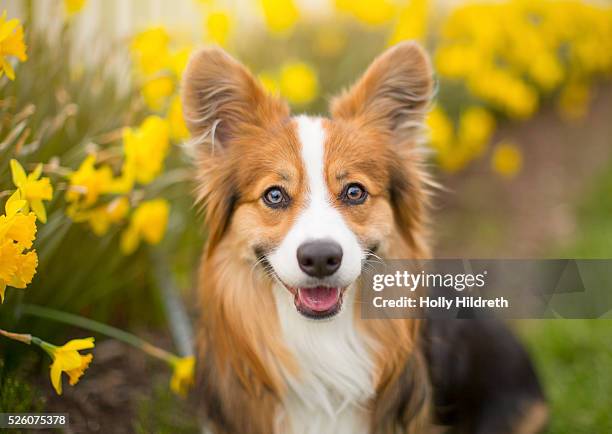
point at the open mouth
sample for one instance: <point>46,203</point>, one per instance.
<point>318,302</point>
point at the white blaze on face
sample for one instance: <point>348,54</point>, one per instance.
<point>334,385</point>
<point>319,220</point>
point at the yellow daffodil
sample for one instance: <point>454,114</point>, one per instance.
<point>20,267</point>
<point>176,121</point>
<point>148,222</point>
<point>32,188</point>
<point>9,255</point>
<point>156,91</point>
<point>217,27</point>
<point>440,129</point>
<point>178,60</point>
<point>74,6</point>
<point>21,228</point>
<point>412,22</point>
<point>11,45</point>
<point>150,50</point>
<point>574,100</point>
<point>510,53</point>
<point>455,151</point>
<point>17,231</point>
<point>507,159</point>
<point>67,359</point>
<point>145,149</point>
<point>14,204</point>
<point>101,217</point>
<point>371,13</point>
<point>298,83</point>
<point>16,268</point>
<point>546,70</point>
<point>87,183</point>
<point>509,56</point>
<point>280,15</point>
<point>183,375</point>
<point>476,125</point>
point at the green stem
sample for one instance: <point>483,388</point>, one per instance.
<point>45,346</point>
<point>28,339</point>
<point>98,327</point>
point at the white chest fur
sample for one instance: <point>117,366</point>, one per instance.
<point>332,392</point>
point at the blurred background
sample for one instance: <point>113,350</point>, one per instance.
<point>520,139</point>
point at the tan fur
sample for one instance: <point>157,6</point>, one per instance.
<point>246,142</point>
<point>534,419</point>
<point>231,119</point>
<point>244,352</point>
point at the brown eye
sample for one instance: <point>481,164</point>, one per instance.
<point>354,194</point>
<point>276,197</point>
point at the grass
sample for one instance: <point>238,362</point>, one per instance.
<point>594,238</point>
<point>164,413</point>
<point>574,357</point>
<point>17,395</point>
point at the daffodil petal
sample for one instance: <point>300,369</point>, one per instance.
<point>36,173</point>
<point>67,360</point>
<point>129,240</point>
<point>14,204</point>
<point>39,210</point>
<point>183,376</point>
<point>56,377</point>
<point>7,28</point>
<point>19,175</point>
<point>78,344</point>
<point>8,69</point>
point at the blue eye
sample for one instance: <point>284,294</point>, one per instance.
<point>276,197</point>
<point>354,194</point>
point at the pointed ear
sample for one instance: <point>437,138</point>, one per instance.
<point>393,93</point>
<point>221,98</point>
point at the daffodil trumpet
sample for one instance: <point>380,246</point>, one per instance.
<point>183,367</point>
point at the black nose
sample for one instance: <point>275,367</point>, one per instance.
<point>319,258</point>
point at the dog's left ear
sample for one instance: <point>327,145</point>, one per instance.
<point>393,93</point>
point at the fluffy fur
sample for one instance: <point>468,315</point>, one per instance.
<point>263,367</point>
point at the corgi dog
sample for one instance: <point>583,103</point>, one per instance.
<point>295,206</point>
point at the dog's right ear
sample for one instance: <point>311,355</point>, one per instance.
<point>221,98</point>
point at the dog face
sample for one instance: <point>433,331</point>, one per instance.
<point>307,198</point>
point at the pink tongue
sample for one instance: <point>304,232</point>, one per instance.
<point>318,299</point>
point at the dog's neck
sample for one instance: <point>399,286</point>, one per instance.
<point>262,357</point>
<point>335,382</point>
